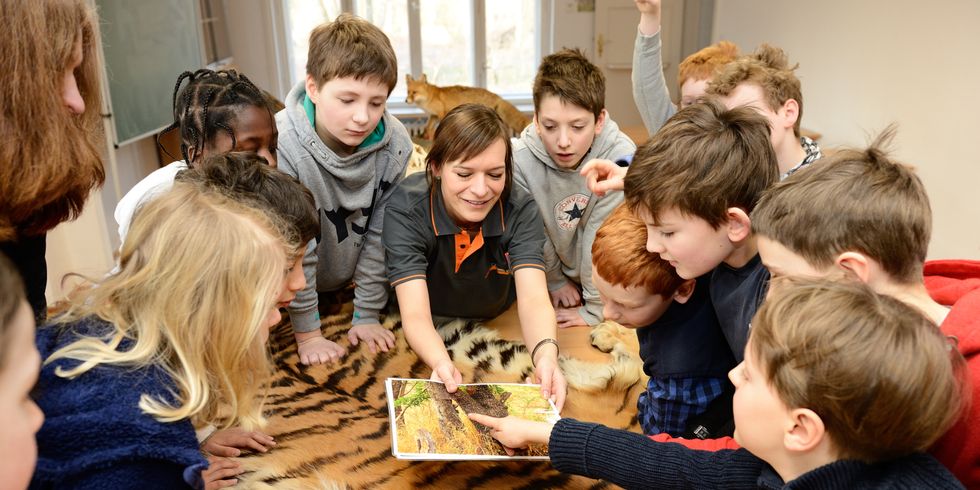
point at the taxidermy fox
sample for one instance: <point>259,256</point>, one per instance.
<point>438,101</point>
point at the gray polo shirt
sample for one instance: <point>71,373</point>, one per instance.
<point>468,276</point>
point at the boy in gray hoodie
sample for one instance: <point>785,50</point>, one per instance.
<point>570,126</point>
<point>336,137</point>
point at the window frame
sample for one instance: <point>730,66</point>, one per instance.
<point>543,45</point>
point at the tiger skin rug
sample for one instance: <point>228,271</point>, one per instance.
<point>331,423</point>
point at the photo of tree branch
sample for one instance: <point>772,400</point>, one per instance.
<point>430,423</point>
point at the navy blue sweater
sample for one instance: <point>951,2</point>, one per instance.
<point>631,460</point>
<point>95,435</point>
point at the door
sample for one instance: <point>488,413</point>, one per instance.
<point>615,34</point>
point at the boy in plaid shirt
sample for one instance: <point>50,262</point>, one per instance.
<point>683,349</point>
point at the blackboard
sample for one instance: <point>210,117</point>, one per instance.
<point>146,44</point>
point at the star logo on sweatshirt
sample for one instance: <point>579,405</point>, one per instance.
<point>574,213</point>
<point>570,210</point>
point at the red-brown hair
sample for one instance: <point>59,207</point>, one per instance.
<point>49,158</point>
<point>620,256</point>
<point>703,64</point>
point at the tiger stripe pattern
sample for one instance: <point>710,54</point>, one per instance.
<point>331,425</point>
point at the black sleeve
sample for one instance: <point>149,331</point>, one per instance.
<point>526,246</point>
<point>405,244</point>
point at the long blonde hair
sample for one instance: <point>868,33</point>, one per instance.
<point>49,158</point>
<point>199,275</point>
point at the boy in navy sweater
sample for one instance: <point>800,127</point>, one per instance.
<point>681,344</point>
<point>828,397</point>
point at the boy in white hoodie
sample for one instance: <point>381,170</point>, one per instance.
<point>571,126</point>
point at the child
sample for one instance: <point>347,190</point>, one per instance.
<point>827,397</point>
<point>693,74</point>
<point>765,81</point>
<point>19,363</point>
<point>247,178</point>
<point>461,242</point>
<point>341,143</point>
<point>693,185</point>
<point>175,339</point>
<point>681,344</point>
<point>217,111</point>
<point>570,126</point>
<point>874,220</point>
<point>50,145</point>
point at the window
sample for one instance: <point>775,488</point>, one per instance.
<point>494,44</point>
<point>217,49</point>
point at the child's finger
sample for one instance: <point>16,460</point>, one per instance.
<point>256,445</point>
<point>223,451</point>
<point>491,422</point>
<point>264,438</point>
<point>225,473</point>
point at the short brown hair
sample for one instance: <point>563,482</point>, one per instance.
<point>768,68</point>
<point>571,77</point>
<point>704,160</point>
<point>882,377</point>
<point>620,256</point>
<point>464,133</point>
<point>351,47</point>
<point>854,200</point>
<point>246,176</point>
<point>11,298</point>
<point>703,64</point>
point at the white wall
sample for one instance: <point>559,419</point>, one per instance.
<point>251,35</point>
<point>866,64</point>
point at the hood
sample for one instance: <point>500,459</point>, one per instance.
<point>601,145</point>
<point>956,283</point>
<point>347,169</point>
<point>950,280</point>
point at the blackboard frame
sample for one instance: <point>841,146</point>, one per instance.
<point>145,45</point>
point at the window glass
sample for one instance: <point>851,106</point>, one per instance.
<point>511,46</point>
<point>447,41</point>
<point>301,17</point>
<point>392,17</point>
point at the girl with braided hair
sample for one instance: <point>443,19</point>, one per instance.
<point>214,112</point>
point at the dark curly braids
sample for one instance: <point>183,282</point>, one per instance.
<point>208,104</point>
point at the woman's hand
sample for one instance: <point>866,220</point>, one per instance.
<point>446,372</point>
<point>552,380</point>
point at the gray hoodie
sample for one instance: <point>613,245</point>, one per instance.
<point>571,213</point>
<point>350,193</point>
<point>649,86</point>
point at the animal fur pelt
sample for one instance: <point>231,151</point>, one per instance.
<point>331,422</point>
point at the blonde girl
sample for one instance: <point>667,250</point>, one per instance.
<point>175,340</point>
